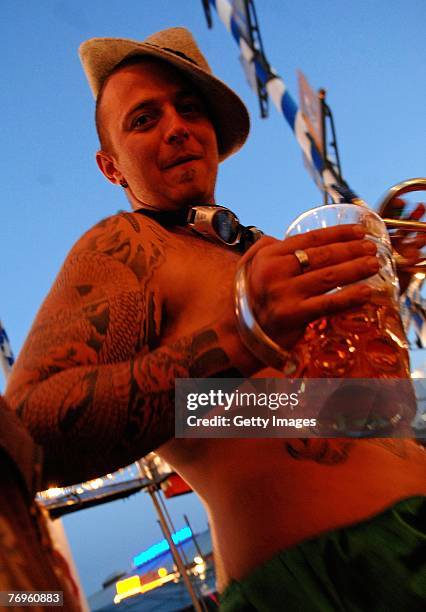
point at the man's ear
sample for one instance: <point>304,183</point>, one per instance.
<point>107,166</point>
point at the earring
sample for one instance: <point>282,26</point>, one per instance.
<point>124,183</point>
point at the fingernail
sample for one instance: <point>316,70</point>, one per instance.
<point>373,263</point>
<point>365,291</point>
<point>359,230</point>
<point>369,247</point>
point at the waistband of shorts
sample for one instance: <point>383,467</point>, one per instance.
<point>404,519</point>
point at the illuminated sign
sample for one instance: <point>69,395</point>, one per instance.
<point>161,547</point>
<point>132,586</point>
<point>128,585</point>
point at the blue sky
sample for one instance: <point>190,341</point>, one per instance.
<point>370,56</point>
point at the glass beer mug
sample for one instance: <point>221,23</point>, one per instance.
<point>364,342</point>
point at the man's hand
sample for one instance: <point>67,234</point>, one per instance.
<point>284,300</point>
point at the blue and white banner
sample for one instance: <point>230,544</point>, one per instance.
<point>233,17</point>
<point>6,355</point>
<point>413,312</point>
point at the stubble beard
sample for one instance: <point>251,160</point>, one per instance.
<point>187,175</point>
<point>197,197</point>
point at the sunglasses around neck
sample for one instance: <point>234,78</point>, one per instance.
<point>215,223</point>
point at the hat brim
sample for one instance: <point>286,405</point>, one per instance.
<point>99,57</point>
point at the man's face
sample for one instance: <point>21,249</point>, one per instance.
<point>163,143</point>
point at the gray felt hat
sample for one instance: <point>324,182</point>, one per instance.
<point>177,47</point>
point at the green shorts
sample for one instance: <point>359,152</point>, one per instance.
<point>377,565</point>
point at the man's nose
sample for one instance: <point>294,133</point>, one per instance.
<point>177,130</point>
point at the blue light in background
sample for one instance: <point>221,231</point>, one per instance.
<point>161,547</point>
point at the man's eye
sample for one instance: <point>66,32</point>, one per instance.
<point>191,107</point>
<point>142,121</point>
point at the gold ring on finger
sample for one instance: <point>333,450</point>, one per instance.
<point>303,259</point>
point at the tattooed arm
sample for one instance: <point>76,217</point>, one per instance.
<point>88,383</point>
<point>94,419</point>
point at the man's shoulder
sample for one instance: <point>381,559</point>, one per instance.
<point>117,229</point>
<point>126,237</point>
<point>114,227</point>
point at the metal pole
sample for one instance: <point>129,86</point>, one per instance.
<point>321,96</point>
<point>197,546</point>
<point>182,553</point>
<point>176,556</point>
<point>166,512</point>
<point>171,526</point>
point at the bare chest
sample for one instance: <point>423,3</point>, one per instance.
<point>194,283</point>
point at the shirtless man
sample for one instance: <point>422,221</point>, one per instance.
<point>139,303</point>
